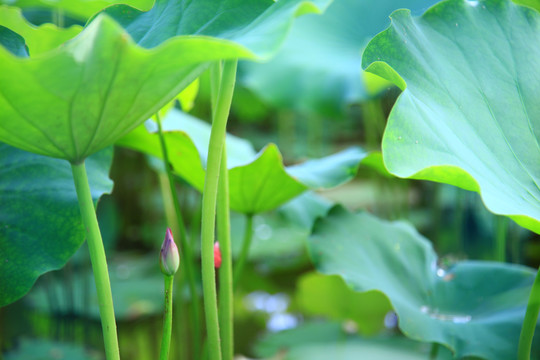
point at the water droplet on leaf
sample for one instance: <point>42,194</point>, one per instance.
<point>436,314</point>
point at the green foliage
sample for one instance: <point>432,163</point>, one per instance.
<point>316,341</point>
<point>263,184</point>
<point>279,237</point>
<point>332,77</point>
<point>335,300</point>
<point>12,42</point>
<point>137,287</point>
<point>108,87</point>
<point>244,26</point>
<point>40,221</point>
<point>257,183</point>
<point>81,9</point>
<point>535,4</point>
<point>39,39</point>
<point>31,349</point>
<point>469,115</point>
<point>464,307</point>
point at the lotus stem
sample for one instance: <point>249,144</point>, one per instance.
<point>217,139</point>
<point>501,226</point>
<point>185,245</point>
<point>98,260</point>
<point>226,318</point>
<point>167,318</point>
<point>246,244</point>
<point>529,323</point>
<point>434,351</point>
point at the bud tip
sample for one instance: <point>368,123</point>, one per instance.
<point>217,255</point>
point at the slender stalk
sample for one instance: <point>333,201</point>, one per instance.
<point>315,133</point>
<point>286,132</point>
<point>437,210</point>
<point>241,261</point>
<point>185,245</point>
<point>180,349</point>
<point>226,318</point>
<point>167,319</point>
<point>459,220</point>
<point>529,323</point>
<point>374,119</point>
<point>514,239</point>
<point>225,272</point>
<point>434,351</point>
<point>501,226</point>
<point>58,17</point>
<point>215,148</point>
<point>99,262</point>
<point>181,312</point>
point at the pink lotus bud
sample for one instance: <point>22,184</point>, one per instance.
<point>169,259</point>
<point>217,255</point>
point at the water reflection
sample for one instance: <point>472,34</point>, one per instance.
<point>275,305</point>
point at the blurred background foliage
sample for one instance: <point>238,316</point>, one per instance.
<point>309,109</point>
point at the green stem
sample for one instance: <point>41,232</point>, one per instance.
<point>184,241</point>
<point>215,148</point>
<point>315,134</point>
<point>374,119</point>
<point>183,312</point>
<point>434,351</point>
<point>241,261</point>
<point>224,235</point>
<point>225,272</point>
<point>529,323</point>
<point>501,226</point>
<point>286,132</point>
<point>99,262</point>
<point>58,17</point>
<point>514,239</point>
<point>167,319</point>
<point>459,219</point>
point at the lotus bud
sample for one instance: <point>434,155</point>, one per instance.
<point>217,255</point>
<point>169,259</point>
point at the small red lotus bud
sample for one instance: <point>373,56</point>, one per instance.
<point>169,259</point>
<point>217,255</point>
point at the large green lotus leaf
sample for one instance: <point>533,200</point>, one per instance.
<point>318,69</point>
<point>255,26</point>
<point>39,39</point>
<point>474,308</point>
<point>263,184</point>
<point>258,182</point>
<point>40,221</point>
<point>469,114</point>
<point>335,300</point>
<point>314,341</point>
<point>107,86</point>
<point>81,9</point>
